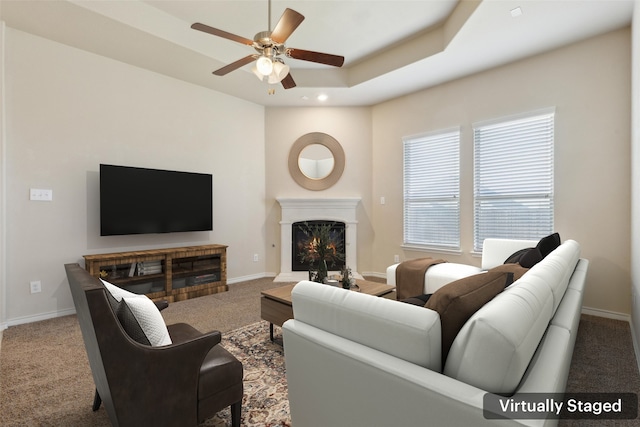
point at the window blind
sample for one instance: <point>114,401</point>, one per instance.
<point>432,190</point>
<point>513,179</point>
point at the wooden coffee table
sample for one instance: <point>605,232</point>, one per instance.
<point>276,308</point>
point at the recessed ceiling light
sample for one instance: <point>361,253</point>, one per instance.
<point>516,12</point>
<point>322,97</point>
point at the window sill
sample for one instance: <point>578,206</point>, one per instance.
<point>432,249</point>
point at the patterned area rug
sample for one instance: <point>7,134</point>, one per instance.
<point>265,401</point>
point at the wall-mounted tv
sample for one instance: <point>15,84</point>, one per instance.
<point>139,201</point>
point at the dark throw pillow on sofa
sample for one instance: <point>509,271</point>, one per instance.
<point>546,245</point>
<point>531,256</point>
<point>517,270</point>
<point>457,301</point>
<point>515,257</point>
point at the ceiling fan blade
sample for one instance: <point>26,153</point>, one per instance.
<point>320,58</point>
<point>287,24</point>
<point>235,65</point>
<point>288,82</point>
<point>216,32</point>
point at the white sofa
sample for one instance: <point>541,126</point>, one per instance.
<point>358,360</point>
<point>494,253</point>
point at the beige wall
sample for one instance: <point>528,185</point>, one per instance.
<point>589,85</point>
<point>67,112</point>
<point>352,128</point>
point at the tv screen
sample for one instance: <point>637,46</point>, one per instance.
<point>140,201</point>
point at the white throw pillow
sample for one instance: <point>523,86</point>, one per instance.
<point>118,293</point>
<point>142,320</point>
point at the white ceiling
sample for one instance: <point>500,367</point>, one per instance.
<point>391,48</point>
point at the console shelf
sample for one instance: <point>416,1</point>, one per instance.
<point>174,274</point>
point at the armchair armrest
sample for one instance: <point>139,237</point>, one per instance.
<point>161,305</point>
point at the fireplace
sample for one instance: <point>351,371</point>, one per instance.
<point>294,210</point>
<point>301,241</point>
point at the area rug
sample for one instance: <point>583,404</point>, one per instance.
<point>265,401</point>
<point>45,378</point>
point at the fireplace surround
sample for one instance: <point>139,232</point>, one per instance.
<point>310,209</point>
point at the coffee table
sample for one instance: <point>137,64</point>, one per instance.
<point>276,308</point>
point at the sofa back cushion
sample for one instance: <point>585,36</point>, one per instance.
<point>457,301</point>
<point>494,348</point>
<point>408,332</point>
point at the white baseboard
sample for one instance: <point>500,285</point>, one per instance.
<point>249,277</point>
<point>374,274</point>
<point>607,314</point>
<point>38,317</point>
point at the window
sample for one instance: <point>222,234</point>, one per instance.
<point>432,190</point>
<point>513,178</point>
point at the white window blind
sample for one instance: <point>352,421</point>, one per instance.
<point>432,190</point>
<point>513,178</point>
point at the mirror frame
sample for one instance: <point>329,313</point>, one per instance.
<point>338,156</point>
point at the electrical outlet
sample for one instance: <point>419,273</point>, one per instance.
<point>396,258</point>
<point>36,286</point>
<point>255,257</point>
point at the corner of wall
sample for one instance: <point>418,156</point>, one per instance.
<point>635,179</point>
<point>3,192</point>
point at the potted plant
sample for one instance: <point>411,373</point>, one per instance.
<point>322,249</point>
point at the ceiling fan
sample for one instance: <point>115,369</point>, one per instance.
<point>270,45</point>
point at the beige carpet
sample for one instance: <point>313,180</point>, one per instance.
<point>45,378</point>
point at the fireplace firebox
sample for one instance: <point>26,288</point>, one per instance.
<point>300,242</point>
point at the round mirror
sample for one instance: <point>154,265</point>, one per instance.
<point>316,161</point>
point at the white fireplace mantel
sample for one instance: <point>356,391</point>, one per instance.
<point>308,209</point>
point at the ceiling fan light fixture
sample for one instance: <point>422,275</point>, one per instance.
<point>280,71</point>
<point>264,65</point>
<point>257,73</point>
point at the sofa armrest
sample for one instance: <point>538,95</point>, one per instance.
<point>402,330</point>
<point>496,251</point>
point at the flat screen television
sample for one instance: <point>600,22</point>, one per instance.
<point>140,201</point>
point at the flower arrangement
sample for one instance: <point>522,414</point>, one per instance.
<point>322,249</point>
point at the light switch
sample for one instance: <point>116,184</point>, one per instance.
<point>42,195</point>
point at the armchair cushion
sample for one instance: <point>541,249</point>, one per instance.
<point>142,321</point>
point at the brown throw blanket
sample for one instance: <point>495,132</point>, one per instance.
<point>410,276</point>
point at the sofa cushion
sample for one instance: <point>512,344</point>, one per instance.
<point>142,321</point>
<point>556,269</point>
<point>408,332</point>
<point>457,301</point>
<point>494,348</point>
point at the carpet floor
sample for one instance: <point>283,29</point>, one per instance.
<point>45,378</point>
